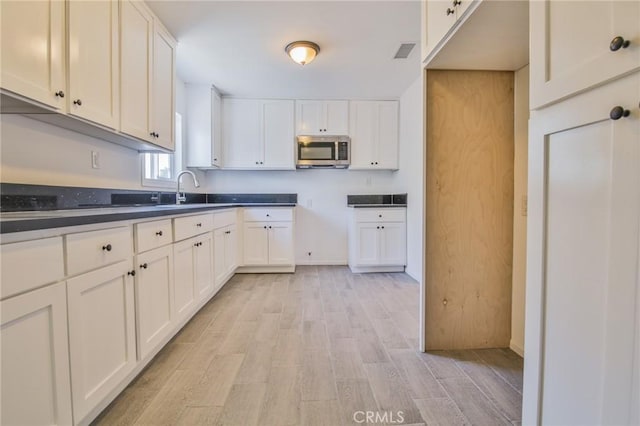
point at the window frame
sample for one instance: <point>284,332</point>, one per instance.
<point>175,161</point>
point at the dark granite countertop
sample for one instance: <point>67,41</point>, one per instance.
<point>45,219</point>
<point>377,206</point>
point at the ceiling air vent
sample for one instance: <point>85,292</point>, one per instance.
<point>404,50</point>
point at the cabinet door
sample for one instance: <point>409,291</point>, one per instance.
<point>35,358</point>
<point>241,133</point>
<point>439,22</point>
<point>393,243</point>
<point>219,255</point>
<point>102,339</point>
<point>277,134</point>
<point>184,278</point>
<point>136,32</point>
<point>281,243</point>
<point>216,129</point>
<point>205,282</point>
<point>363,137</point>
<point>336,117</point>
<point>367,244</point>
<point>154,298</point>
<point>582,257</point>
<point>33,54</point>
<point>387,135</point>
<point>163,87</point>
<point>309,118</point>
<point>256,243</point>
<point>93,61</point>
<point>231,249</point>
<point>578,56</point>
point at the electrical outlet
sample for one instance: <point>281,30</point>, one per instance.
<point>368,181</point>
<point>95,160</point>
<point>524,205</point>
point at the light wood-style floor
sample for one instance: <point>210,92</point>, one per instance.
<point>317,347</point>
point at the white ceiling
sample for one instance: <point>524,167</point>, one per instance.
<point>238,46</point>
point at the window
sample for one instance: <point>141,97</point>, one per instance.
<point>160,169</point>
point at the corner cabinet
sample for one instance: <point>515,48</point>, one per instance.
<point>322,117</point>
<point>94,68</point>
<point>374,135</point>
<point>258,134</point>
<point>38,74</point>
<point>377,239</point>
<point>268,240</point>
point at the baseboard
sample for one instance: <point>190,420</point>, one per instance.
<point>516,348</point>
<point>367,269</point>
<point>266,269</point>
<point>308,262</point>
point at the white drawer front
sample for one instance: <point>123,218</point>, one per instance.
<point>272,214</point>
<point>91,250</point>
<point>30,264</point>
<point>225,218</point>
<point>150,235</point>
<point>185,227</point>
<point>380,215</point>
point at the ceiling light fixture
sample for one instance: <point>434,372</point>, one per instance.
<point>302,52</point>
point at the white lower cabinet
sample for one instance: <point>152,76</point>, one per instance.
<point>154,298</point>
<point>268,243</point>
<point>377,239</point>
<point>203,254</point>
<point>35,358</point>
<point>193,272</point>
<point>101,334</point>
<point>225,241</point>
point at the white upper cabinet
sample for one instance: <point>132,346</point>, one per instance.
<point>277,134</point>
<point>204,132</point>
<point>322,117</point>
<point>441,16</point>
<point>136,32</point>
<point>33,54</point>
<point>93,61</point>
<point>258,134</point>
<point>584,51</point>
<point>163,87</point>
<point>374,134</point>
<point>241,133</point>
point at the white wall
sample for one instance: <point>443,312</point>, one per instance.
<point>410,175</point>
<point>321,226</point>
<point>521,129</point>
<point>38,153</point>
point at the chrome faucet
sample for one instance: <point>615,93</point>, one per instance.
<point>181,197</point>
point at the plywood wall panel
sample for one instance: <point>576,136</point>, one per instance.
<point>469,208</point>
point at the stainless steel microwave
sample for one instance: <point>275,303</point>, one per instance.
<point>323,152</point>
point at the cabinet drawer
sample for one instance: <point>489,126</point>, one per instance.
<point>91,250</point>
<point>150,235</point>
<point>226,218</point>
<point>30,264</point>
<point>380,215</point>
<point>258,214</point>
<point>185,227</point>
